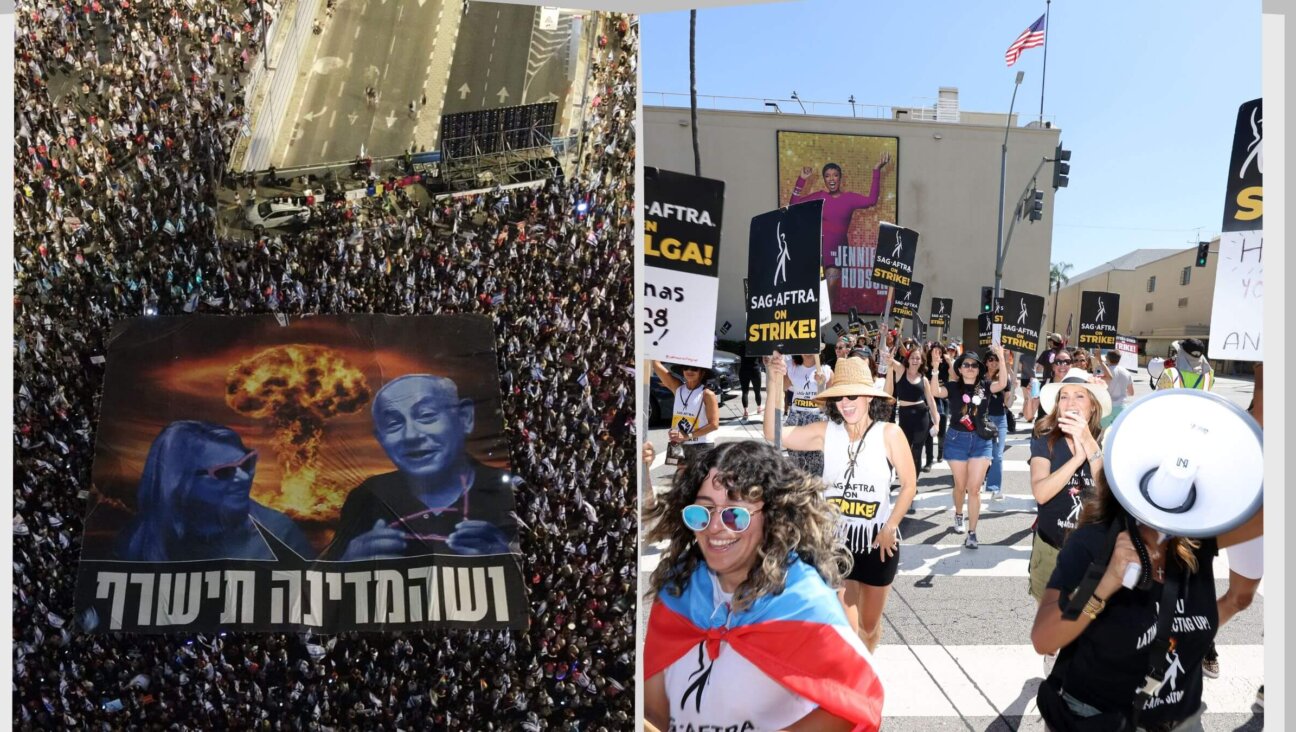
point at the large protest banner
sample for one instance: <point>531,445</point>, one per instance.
<point>1023,316</point>
<point>985,330</point>
<point>856,177</point>
<point>1098,319</point>
<point>941,307</point>
<point>1237,310</point>
<point>681,266</point>
<point>331,473</point>
<point>907,300</point>
<point>783,281</point>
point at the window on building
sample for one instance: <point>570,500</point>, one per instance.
<point>1183,302</point>
<point>1186,277</point>
<point>1152,285</point>
<point>1147,308</point>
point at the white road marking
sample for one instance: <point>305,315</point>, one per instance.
<point>332,119</point>
<point>324,149</point>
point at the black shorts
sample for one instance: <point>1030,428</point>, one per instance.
<point>870,569</point>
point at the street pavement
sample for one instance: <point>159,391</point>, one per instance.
<point>388,45</point>
<point>955,651</point>
<point>490,63</point>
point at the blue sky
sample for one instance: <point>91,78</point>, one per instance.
<point>1146,93</point>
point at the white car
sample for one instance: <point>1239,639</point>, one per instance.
<point>275,214</point>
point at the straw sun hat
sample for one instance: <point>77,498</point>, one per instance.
<point>851,378</point>
<point>1075,377</point>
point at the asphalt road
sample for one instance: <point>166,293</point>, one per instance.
<point>956,632</point>
<point>503,59</point>
<point>384,44</point>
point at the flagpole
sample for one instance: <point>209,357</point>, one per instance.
<point>1044,72</point>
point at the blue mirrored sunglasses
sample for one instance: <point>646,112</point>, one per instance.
<point>734,518</point>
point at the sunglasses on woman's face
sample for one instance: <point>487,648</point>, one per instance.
<point>834,400</point>
<point>1060,362</point>
<point>228,471</point>
<point>735,518</point>
<point>968,365</point>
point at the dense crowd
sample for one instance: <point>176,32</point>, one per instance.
<point>126,113</point>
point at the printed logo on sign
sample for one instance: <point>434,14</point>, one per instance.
<point>783,256</point>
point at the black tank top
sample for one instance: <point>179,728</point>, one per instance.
<point>908,392</point>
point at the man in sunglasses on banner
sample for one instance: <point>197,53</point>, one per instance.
<point>439,500</point>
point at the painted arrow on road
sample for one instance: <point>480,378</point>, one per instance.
<point>463,91</point>
<point>550,97</point>
<point>353,117</point>
<point>502,94</point>
<point>391,119</point>
<point>312,116</point>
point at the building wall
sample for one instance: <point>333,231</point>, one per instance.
<point>1167,321</point>
<point>948,191</point>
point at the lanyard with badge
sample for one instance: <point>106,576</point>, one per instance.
<point>684,425</point>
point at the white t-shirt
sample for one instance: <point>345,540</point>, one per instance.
<point>1118,386</point>
<point>690,409</point>
<point>864,499</point>
<point>729,693</point>
<point>804,386</point>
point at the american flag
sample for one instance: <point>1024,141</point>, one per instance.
<point>1032,37</point>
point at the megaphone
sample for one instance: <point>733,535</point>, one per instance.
<point>1185,462</point>
<point>1155,367</point>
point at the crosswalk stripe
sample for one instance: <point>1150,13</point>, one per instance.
<point>969,681</point>
<point>954,560</point>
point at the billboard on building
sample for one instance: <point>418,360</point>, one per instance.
<point>342,472</point>
<point>856,177</point>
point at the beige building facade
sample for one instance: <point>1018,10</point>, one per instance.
<point>947,189</point>
<point>1164,297</point>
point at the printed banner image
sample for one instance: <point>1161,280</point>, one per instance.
<point>682,217</point>
<point>1023,316</point>
<point>856,177</point>
<point>907,300</point>
<point>941,307</point>
<point>1098,319</point>
<point>783,281</point>
<point>335,473</point>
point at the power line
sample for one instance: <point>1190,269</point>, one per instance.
<point>1127,228</point>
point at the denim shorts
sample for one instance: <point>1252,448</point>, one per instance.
<point>963,446</point>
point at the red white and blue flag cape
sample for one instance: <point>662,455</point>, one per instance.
<point>799,638</point>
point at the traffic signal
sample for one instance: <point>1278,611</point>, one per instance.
<point>987,299</point>
<point>1037,206</point>
<point>1203,249</point>
<point>1061,168</point>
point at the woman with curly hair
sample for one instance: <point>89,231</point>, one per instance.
<point>860,464</point>
<point>1107,651</point>
<point>746,628</point>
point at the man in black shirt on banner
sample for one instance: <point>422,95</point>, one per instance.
<point>439,500</point>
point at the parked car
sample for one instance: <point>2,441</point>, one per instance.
<point>724,376</point>
<point>277,214</point>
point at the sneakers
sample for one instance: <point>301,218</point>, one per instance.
<point>958,523</point>
<point>996,495</point>
<point>971,542</point>
<point>745,415</point>
<point>1210,664</point>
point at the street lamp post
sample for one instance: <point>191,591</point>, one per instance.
<point>1003,174</point>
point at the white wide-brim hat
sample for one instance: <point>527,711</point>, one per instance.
<point>1075,377</point>
<point>852,378</point>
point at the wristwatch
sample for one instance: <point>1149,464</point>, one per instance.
<point>1097,454</point>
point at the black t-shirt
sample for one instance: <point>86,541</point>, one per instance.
<point>1060,515</point>
<point>1109,660</point>
<point>997,408</point>
<point>387,497</point>
<point>977,401</point>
